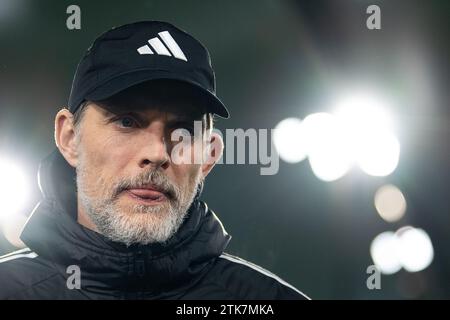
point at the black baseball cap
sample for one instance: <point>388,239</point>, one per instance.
<point>135,53</point>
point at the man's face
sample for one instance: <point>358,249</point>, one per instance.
<point>127,184</point>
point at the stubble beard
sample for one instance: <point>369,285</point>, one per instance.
<point>137,223</point>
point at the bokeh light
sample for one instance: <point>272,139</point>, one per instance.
<point>14,189</point>
<point>12,228</point>
<point>359,131</point>
<point>409,247</point>
<point>361,111</point>
<point>328,148</point>
<point>369,128</point>
<point>290,140</point>
<point>390,203</point>
<point>379,154</point>
<point>384,252</point>
<point>416,250</point>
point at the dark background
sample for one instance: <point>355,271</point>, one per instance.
<point>273,59</point>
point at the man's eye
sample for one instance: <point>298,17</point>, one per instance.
<point>126,122</point>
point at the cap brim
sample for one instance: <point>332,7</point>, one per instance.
<point>127,80</point>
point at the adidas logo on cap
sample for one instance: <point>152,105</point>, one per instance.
<point>167,47</point>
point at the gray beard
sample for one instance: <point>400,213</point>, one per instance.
<point>143,224</point>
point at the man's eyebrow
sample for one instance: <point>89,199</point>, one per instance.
<point>141,116</point>
<point>108,112</point>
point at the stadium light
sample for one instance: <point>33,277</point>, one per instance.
<point>369,128</point>
<point>390,203</point>
<point>409,247</point>
<point>14,189</point>
<point>290,140</point>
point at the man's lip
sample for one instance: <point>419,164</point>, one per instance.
<point>147,193</point>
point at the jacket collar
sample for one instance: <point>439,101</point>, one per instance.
<point>53,233</point>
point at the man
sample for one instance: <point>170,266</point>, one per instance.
<point>121,216</point>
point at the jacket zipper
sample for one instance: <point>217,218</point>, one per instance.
<point>140,264</point>
<point>140,270</point>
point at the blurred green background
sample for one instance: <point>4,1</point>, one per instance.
<point>273,60</point>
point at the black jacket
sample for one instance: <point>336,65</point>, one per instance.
<point>192,265</point>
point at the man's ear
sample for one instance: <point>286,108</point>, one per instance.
<point>65,137</point>
<point>213,152</point>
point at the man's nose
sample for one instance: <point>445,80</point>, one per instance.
<point>154,150</point>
